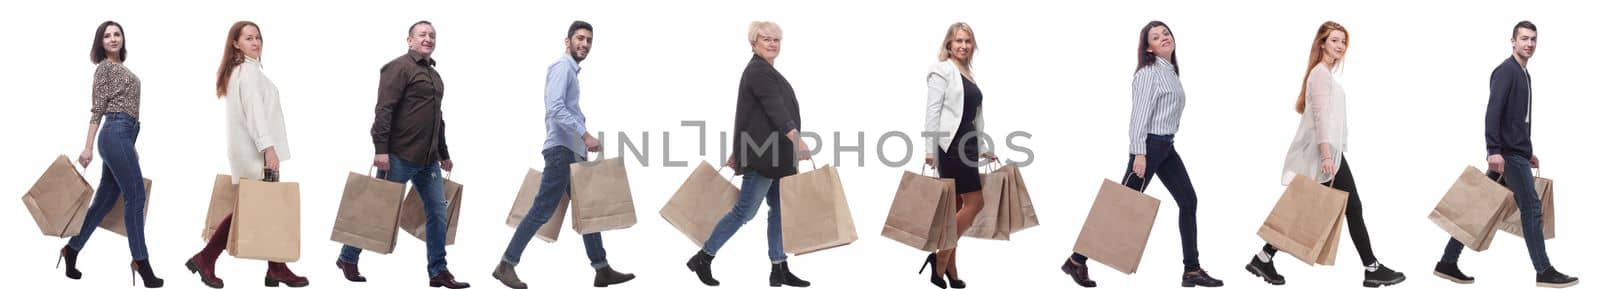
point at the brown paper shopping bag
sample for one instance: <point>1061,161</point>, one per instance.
<point>1512,222</point>
<point>59,200</point>
<point>525,197</point>
<point>266,222</point>
<point>814,212</point>
<point>414,220</point>
<point>1470,210</point>
<point>1307,221</point>
<point>601,199</point>
<point>923,213</point>
<point>369,213</point>
<point>1008,208</point>
<point>113,221</point>
<point>1025,215</point>
<point>993,221</point>
<point>1118,227</point>
<point>700,203</point>
<point>224,195</point>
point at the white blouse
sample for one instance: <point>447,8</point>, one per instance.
<point>255,121</point>
<point>1322,123</point>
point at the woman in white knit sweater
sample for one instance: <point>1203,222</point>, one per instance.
<point>257,140</point>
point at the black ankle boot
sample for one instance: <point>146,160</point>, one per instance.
<point>1450,271</point>
<point>1265,270</point>
<point>605,276</point>
<point>72,262</point>
<point>701,265</point>
<point>782,276</point>
<point>145,274</point>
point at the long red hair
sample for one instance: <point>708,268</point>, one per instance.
<point>231,57</point>
<point>1323,32</point>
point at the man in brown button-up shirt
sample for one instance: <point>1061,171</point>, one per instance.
<point>409,145</point>
<point>408,121</point>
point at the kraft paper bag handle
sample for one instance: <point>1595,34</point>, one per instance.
<point>730,176</point>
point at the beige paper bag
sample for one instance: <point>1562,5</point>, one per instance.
<point>414,219</point>
<point>1027,217</point>
<point>1512,222</point>
<point>1470,210</point>
<point>601,199</point>
<point>551,230</point>
<point>113,221</point>
<point>1118,227</point>
<point>814,212</point>
<point>369,213</point>
<point>703,199</point>
<point>224,195</point>
<point>266,222</point>
<point>995,213</point>
<point>1306,222</point>
<point>59,200</point>
<point>923,213</point>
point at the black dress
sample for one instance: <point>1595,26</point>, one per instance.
<point>959,161</point>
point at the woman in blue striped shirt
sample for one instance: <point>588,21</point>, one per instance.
<point>1157,107</point>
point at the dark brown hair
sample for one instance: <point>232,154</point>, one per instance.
<point>98,53</point>
<point>1147,58</point>
<point>231,56</point>
<point>1524,24</point>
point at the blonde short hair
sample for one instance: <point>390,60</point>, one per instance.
<point>764,28</point>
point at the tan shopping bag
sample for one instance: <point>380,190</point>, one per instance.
<point>1023,210</point>
<point>1008,208</point>
<point>113,221</point>
<point>1307,221</point>
<point>601,199</point>
<point>1470,210</point>
<point>414,219</point>
<point>224,195</point>
<point>266,222</point>
<point>703,199</point>
<point>923,213</point>
<point>59,200</point>
<point>369,213</point>
<point>815,214</point>
<point>1512,222</point>
<point>525,197</point>
<point>994,220</point>
<point>1118,227</point>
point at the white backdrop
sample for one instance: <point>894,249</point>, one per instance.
<point>1416,77</point>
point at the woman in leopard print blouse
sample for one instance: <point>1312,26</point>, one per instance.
<point>116,100</point>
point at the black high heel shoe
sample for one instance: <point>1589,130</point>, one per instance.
<point>955,283</point>
<point>72,262</point>
<point>938,278</point>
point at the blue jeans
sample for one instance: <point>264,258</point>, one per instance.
<point>1162,160</point>
<point>120,177</point>
<point>555,184</point>
<point>1518,177</point>
<point>754,188</point>
<point>430,184</point>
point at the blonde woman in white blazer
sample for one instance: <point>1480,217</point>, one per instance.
<point>955,113</point>
<point>257,141</point>
<point>1318,153</point>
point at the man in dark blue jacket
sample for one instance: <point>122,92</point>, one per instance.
<point>1507,131</point>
